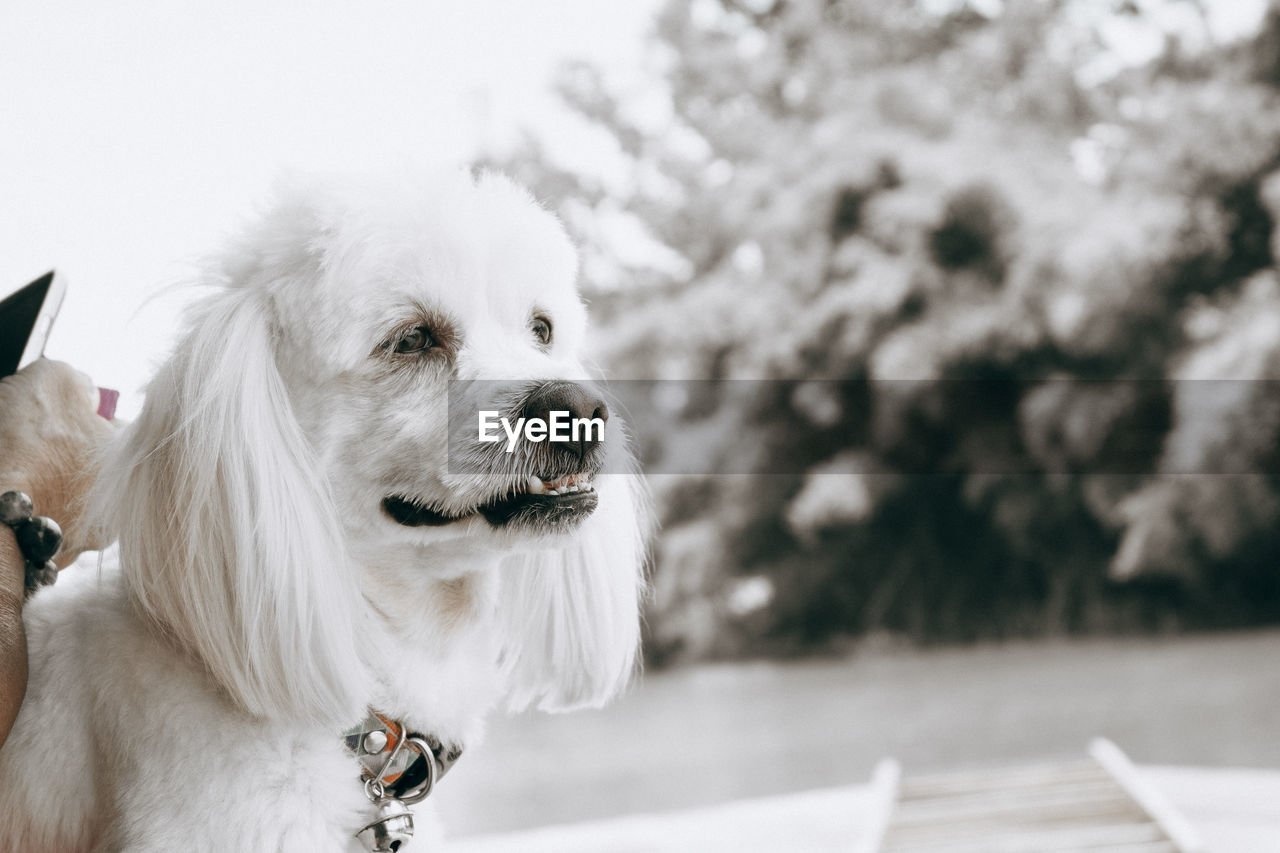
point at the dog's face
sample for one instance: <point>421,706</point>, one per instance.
<point>309,459</point>
<point>401,322</point>
<point>407,316</point>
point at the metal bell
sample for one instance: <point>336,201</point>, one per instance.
<point>391,829</point>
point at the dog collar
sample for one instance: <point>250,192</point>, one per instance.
<point>398,768</point>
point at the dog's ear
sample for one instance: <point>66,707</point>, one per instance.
<point>571,615</point>
<point>228,537</point>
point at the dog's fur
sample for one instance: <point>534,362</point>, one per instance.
<point>193,697</point>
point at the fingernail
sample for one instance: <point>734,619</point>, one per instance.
<point>107,399</point>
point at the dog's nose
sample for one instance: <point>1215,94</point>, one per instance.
<point>581,403</point>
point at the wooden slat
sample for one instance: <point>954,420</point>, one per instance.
<point>1050,840</point>
<point>1152,801</point>
<point>943,783</point>
<point>885,779</point>
<point>1033,844</point>
<point>1111,803</point>
<point>996,784</point>
<point>1082,790</point>
<point>1029,843</point>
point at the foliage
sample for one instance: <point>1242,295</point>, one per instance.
<point>1018,272</point>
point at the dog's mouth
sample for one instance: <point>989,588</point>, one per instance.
<point>536,503</point>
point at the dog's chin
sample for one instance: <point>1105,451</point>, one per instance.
<point>539,507</point>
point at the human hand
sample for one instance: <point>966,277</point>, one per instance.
<point>50,442</point>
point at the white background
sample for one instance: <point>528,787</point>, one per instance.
<point>134,134</point>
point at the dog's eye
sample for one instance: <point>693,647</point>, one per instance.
<point>415,340</point>
<point>541,327</point>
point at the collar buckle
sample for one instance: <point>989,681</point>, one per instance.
<point>399,768</point>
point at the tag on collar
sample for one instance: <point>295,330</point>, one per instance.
<point>410,774</point>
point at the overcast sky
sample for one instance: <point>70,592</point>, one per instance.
<point>136,132</point>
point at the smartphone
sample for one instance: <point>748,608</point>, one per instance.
<point>26,317</point>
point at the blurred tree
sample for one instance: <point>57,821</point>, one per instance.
<point>1016,253</point>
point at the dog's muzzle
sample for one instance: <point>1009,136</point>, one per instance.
<point>555,498</point>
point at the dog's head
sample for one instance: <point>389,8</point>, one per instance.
<point>310,456</point>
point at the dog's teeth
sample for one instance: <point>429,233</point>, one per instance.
<point>561,485</point>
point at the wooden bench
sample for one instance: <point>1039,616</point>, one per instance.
<point>1097,802</point>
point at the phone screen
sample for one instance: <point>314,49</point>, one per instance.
<point>26,316</point>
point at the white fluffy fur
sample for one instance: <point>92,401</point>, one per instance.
<point>192,698</point>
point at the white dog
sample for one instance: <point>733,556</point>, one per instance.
<point>306,537</point>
